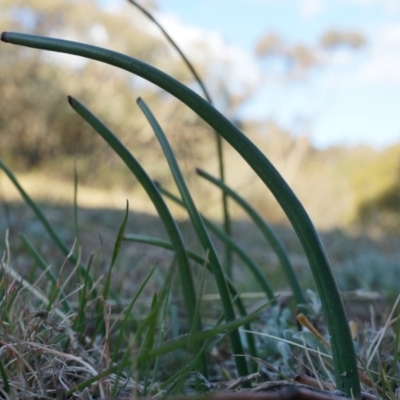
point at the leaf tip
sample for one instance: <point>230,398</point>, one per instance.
<point>71,101</point>
<point>4,37</point>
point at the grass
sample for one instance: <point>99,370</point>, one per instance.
<point>280,345</point>
<point>69,332</point>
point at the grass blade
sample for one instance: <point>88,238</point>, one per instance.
<point>188,290</point>
<point>268,233</point>
<point>4,378</point>
<point>200,261</point>
<point>203,236</point>
<point>253,267</point>
<point>44,267</point>
<point>344,357</point>
<point>160,340</point>
<point>177,48</point>
<point>43,220</point>
<point>128,310</point>
<point>220,155</point>
<point>80,321</point>
<point>76,226</point>
<point>117,247</point>
<point>169,346</point>
<point>149,342</point>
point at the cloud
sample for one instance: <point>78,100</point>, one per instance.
<point>383,64</point>
<point>390,6</point>
<point>378,64</point>
<point>234,64</point>
<point>311,8</point>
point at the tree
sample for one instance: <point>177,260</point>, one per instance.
<point>38,127</point>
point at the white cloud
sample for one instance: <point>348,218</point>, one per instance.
<point>311,8</point>
<point>236,65</point>
<point>389,6</point>
<point>383,65</point>
<point>391,34</point>
<point>378,64</point>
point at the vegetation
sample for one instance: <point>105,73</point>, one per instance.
<point>79,331</point>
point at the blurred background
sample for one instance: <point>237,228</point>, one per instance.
<point>314,83</point>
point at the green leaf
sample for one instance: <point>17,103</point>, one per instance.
<point>202,261</point>
<point>268,233</point>
<point>205,240</point>
<point>344,357</point>
<point>221,168</point>
<point>253,267</point>
<point>187,285</point>
<point>169,346</point>
<point>117,247</point>
<point>44,221</point>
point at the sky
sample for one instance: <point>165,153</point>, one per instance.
<point>352,98</point>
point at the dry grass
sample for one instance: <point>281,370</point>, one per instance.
<point>43,355</point>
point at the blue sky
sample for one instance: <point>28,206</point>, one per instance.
<point>353,98</point>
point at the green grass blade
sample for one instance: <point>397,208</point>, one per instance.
<point>100,325</point>
<point>202,234</point>
<point>188,290</point>
<point>80,320</point>
<point>200,261</point>
<point>207,334</point>
<point>121,232</point>
<point>164,294</point>
<point>41,217</point>
<point>169,346</point>
<point>147,326</point>
<point>269,234</point>
<point>117,248</point>
<point>220,155</point>
<point>160,340</point>
<point>38,259</point>
<point>9,303</point>
<point>76,226</point>
<point>4,378</point>
<point>158,242</point>
<point>177,48</point>
<point>191,355</point>
<point>46,224</point>
<point>44,267</point>
<point>127,313</point>
<point>253,267</point>
<point>149,342</point>
<point>344,357</point>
